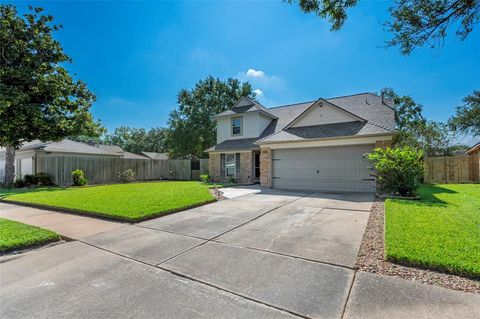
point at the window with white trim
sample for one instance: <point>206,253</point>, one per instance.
<point>230,165</point>
<point>237,126</point>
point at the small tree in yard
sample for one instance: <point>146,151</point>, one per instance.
<point>399,171</point>
<point>39,99</point>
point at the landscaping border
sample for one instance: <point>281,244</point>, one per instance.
<point>371,258</point>
<point>103,216</point>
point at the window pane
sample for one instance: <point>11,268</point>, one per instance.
<point>230,165</point>
<point>236,126</point>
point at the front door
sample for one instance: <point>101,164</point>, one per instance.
<point>257,166</point>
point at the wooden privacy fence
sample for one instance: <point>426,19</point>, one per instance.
<point>453,169</point>
<point>104,170</point>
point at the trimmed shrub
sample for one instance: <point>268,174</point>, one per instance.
<point>127,176</point>
<point>19,183</point>
<point>39,179</point>
<point>79,178</point>
<point>399,171</point>
<point>232,180</point>
<point>205,178</point>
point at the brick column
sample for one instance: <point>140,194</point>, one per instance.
<point>266,167</point>
<point>245,168</point>
<point>214,166</point>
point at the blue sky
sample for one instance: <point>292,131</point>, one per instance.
<point>136,56</point>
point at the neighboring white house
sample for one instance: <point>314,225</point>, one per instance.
<point>317,145</point>
<point>26,157</point>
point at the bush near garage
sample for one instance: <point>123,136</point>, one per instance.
<point>399,171</point>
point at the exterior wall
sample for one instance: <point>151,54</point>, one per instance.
<point>214,166</point>
<point>245,175</point>
<point>253,126</point>
<point>246,168</point>
<point>326,114</point>
<point>383,144</point>
<point>266,167</point>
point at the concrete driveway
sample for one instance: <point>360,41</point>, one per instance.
<point>272,254</point>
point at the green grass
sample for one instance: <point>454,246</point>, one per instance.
<point>440,231</point>
<point>128,202</point>
<point>15,235</point>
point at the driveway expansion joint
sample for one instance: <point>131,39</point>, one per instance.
<point>196,280</point>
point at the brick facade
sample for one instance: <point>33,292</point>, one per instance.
<point>214,166</point>
<point>246,168</point>
<point>245,173</point>
<point>266,167</point>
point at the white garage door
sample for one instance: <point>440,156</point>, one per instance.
<point>331,169</point>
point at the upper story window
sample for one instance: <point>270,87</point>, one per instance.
<point>237,126</point>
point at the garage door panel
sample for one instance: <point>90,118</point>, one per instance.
<point>335,169</point>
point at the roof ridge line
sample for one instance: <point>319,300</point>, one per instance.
<point>280,106</point>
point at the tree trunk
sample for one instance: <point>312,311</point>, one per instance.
<point>9,165</point>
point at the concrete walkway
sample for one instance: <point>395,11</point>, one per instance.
<point>271,254</point>
<point>67,225</point>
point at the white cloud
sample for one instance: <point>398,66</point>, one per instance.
<point>262,79</point>
<point>254,73</point>
<point>258,92</point>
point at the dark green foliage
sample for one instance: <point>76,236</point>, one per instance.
<point>136,140</point>
<point>39,179</point>
<point>416,23</point>
<point>191,126</point>
<point>39,99</point>
<point>413,23</point>
<point>415,130</point>
<point>79,178</point>
<point>467,117</point>
<point>333,10</point>
<point>19,183</point>
<point>399,171</point>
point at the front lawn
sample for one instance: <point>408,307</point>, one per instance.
<point>129,202</point>
<point>440,231</point>
<point>15,235</point>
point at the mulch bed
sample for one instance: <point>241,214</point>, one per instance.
<point>371,259</point>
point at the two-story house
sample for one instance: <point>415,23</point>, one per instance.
<point>316,145</point>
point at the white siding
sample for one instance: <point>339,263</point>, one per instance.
<point>325,114</point>
<point>253,125</point>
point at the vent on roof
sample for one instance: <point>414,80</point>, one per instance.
<point>366,101</point>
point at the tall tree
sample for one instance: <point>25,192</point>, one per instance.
<point>191,126</point>
<point>138,140</point>
<point>434,138</point>
<point>39,99</point>
<point>467,117</point>
<point>413,23</point>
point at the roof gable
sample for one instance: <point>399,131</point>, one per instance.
<point>323,112</point>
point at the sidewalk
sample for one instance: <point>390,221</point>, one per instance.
<point>67,225</point>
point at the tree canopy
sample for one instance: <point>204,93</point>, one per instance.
<point>413,23</point>
<point>415,130</point>
<point>137,140</point>
<point>39,99</point>
<point>467,117</point>
<point>191,126</point>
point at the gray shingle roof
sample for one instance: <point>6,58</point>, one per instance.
<point>234,145</point>
<point>379,116</point>
<point>66,146</point>
<point>326,131</point>
<point>245,105</point>
<point>154,155</point>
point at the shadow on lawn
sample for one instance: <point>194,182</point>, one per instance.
<point>429,198</point>
<point>4,192</point>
